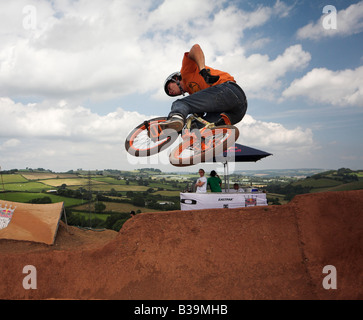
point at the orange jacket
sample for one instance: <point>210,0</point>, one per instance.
<point>194,82</point>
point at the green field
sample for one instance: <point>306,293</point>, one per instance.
<point>356,185</point>
<point>320,183</point>
<point>333,181</point>
<point>12,178</point>
<point>100,216</point>
<point>109,187</point>
<point>280,197</point>
<point>168,193</point>
<point>116,207</point>
<point>68,182</point>
<point>109,180</point>
<point>25,197</point>
<point>47,175</point>
<point>25,186</point>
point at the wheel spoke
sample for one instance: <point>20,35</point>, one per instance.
<point>139,144</point>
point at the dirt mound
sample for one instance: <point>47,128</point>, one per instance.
<point>275,252</point>
<point>68,238</point>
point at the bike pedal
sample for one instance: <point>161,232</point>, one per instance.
<point>153,131</point>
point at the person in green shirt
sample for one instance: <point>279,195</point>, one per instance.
<point>214,182</point>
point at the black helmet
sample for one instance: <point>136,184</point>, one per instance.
<point>175,77</point>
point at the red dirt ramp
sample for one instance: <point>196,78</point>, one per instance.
<point>275,252</point>
<point>32,222</point>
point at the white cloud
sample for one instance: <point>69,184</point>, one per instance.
<point>290,147</point>
<point>103,50</point>
<point>63,136</point>
<point>50,120</point>
<point>274,136</point>
<point>349,21</point>
<point>260,76</point>
<point>340,88</point>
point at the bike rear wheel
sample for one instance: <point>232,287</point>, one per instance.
<point>210,143</point>
<point>140,142</point>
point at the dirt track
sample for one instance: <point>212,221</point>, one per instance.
<point>275,252</point>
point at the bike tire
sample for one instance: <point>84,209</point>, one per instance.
<point>219,139</point>
<point>139,144</point>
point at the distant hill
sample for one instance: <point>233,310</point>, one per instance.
<point>343,179</point>
<point>302,172</point>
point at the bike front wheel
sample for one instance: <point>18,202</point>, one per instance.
<point>209,144</point>
<point>143,141</point>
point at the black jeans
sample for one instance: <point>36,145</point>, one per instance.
<point>227,98</point>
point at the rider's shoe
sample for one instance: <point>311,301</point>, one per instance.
<point>220,122</point>
<point>176,123</point>
<point>223,120</point>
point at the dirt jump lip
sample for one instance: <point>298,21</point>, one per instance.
<point>32,222</point>
<point>274,252</point>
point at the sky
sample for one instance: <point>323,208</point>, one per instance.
<point>77,76</point>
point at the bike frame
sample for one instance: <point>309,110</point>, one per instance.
<point>207,125</point>
<point>190,135</point>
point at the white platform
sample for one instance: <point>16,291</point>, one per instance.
<point>196,201</point>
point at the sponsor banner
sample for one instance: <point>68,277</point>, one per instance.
<point>196,201</point>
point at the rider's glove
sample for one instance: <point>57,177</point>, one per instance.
<point>208,78</point>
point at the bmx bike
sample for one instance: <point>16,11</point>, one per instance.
<point>196,145</point>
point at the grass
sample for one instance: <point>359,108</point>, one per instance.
<point>326,184</point>
<point>280,197</point>
<point>24,197</point>
<point>68,182</point>
<point>154,185</point>
<point>108,187</point>
<point>25,186</point>
<point>12,178</point>
<point>41,175</point>
<point>356,185</point>
<point>110,180</point>
<point>116,207</point>
<point>319,183</point>
<point>168,193</point>
<point>100,216</point>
